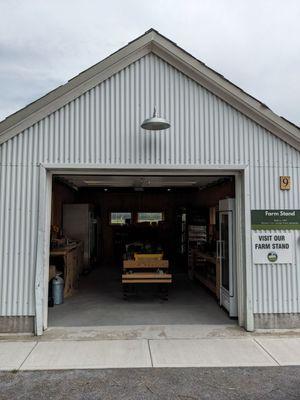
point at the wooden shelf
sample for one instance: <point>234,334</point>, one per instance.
<point>207,257</point>
<point>209,284</point>
<point>145,276</point>
<point>213,286</point>
<point>73,264</point>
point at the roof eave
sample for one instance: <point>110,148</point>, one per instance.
<point>76,86</point>
<point>227,91</point>
<point>151,41</point>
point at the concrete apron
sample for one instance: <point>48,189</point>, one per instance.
<point>125,332</point>
<point>149,346</point>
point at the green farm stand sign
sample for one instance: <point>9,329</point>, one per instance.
<point>275,219</point>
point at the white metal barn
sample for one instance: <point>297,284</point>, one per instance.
<point>91,126</point>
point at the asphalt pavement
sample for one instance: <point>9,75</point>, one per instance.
<point>282,383</point>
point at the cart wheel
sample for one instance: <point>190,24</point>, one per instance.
<point>164,293</point>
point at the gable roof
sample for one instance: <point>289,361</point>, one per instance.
<point>151,41</point>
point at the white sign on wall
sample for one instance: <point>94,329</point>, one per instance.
<point>273,248</point>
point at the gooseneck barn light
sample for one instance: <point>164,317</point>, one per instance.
<point>155,123</point>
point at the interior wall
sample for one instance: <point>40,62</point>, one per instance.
<point>61,194</point>
<point>210,196</point>
<point>106,202</point>
<point>128,200</point>
<point>168,202</point>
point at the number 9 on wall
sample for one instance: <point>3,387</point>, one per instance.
<point>285,183</point>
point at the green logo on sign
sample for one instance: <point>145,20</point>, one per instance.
<point>272,257</point>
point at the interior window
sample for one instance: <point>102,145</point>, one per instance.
<point>150,217</point>
<point>120,218</point>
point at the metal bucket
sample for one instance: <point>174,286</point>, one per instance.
<point>58,290</point>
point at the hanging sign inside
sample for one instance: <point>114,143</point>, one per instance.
<point>273,248</point>
<point>275,219</point>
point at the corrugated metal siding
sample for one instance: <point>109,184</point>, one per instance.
<point>102,126</point>
<point>18,232</point>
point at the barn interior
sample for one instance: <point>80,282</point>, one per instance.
<point>136,250</point>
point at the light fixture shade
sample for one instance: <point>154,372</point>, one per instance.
<point>155,123</point>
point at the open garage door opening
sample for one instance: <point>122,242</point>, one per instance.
<point>142,250</point>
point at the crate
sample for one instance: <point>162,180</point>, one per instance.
<point>141,257</point>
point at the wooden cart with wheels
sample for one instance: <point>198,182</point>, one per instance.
<point>143,271</point>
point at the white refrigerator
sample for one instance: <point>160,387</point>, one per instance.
<point>79,223</point>
<point>226,253</point>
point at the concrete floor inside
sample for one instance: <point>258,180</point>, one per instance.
<point>99,302</point>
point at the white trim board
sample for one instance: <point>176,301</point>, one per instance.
<point>245,314</point>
